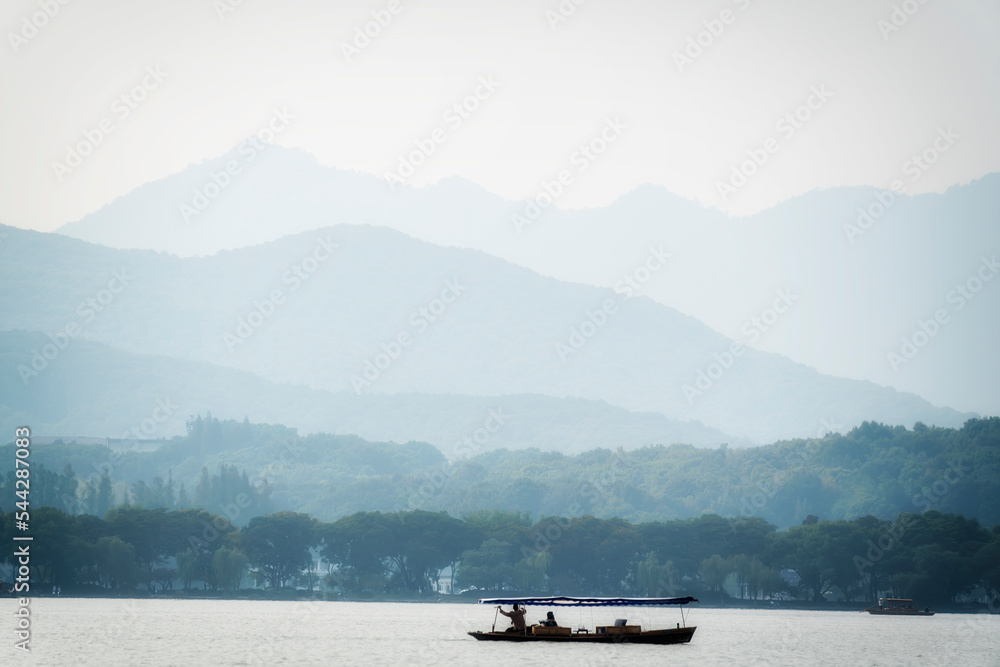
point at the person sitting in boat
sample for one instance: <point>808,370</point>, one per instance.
<point>516,616</point>
<point>550,620</point>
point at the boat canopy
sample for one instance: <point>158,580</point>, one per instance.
<point>563,601</point>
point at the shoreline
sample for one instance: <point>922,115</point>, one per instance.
<point>305,596</point>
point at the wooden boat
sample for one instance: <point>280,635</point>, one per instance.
<point>620,633</point>
<point>898,607</point>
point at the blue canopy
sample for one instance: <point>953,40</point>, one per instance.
<point>561,600</point>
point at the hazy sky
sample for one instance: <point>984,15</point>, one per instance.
<point>555,81</point>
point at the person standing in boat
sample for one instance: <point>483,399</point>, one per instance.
<point>516,616</point>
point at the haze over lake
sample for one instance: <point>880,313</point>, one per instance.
<point>156,633</point>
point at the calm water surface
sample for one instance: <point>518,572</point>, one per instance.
<point>238,632</point>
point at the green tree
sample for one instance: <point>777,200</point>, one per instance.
<point>228,568</point>
<point>655,580</point>
<point>510,527</point>
<point>490,567</point>
<point>425,544</point>
<point>116,561</point>
<point>147,532</point>
<point>531,574</point>
<point>714,571</point>
<point>187,567</point>
<point>165,576</point>
<point>800,548</point>
<point>278,545</point>
<point>594,554</point>
<point>54,548</point>
<point>360,544</point>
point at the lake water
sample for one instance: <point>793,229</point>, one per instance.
<point>239,632</point>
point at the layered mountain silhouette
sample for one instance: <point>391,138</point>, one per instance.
<point>366,311</point>
<point>867,265</point>
<point>91,388</point>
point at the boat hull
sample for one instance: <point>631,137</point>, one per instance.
<point>898,607</point>
<point>668,636</point>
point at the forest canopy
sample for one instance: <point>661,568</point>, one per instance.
<point>874,469</point>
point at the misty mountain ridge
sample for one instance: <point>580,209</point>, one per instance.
<point>323,308</point>
<point>95,389</point>
<point>868,264</point>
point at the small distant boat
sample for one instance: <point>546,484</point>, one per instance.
<point>619,633</point>
<point>898,607</point>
